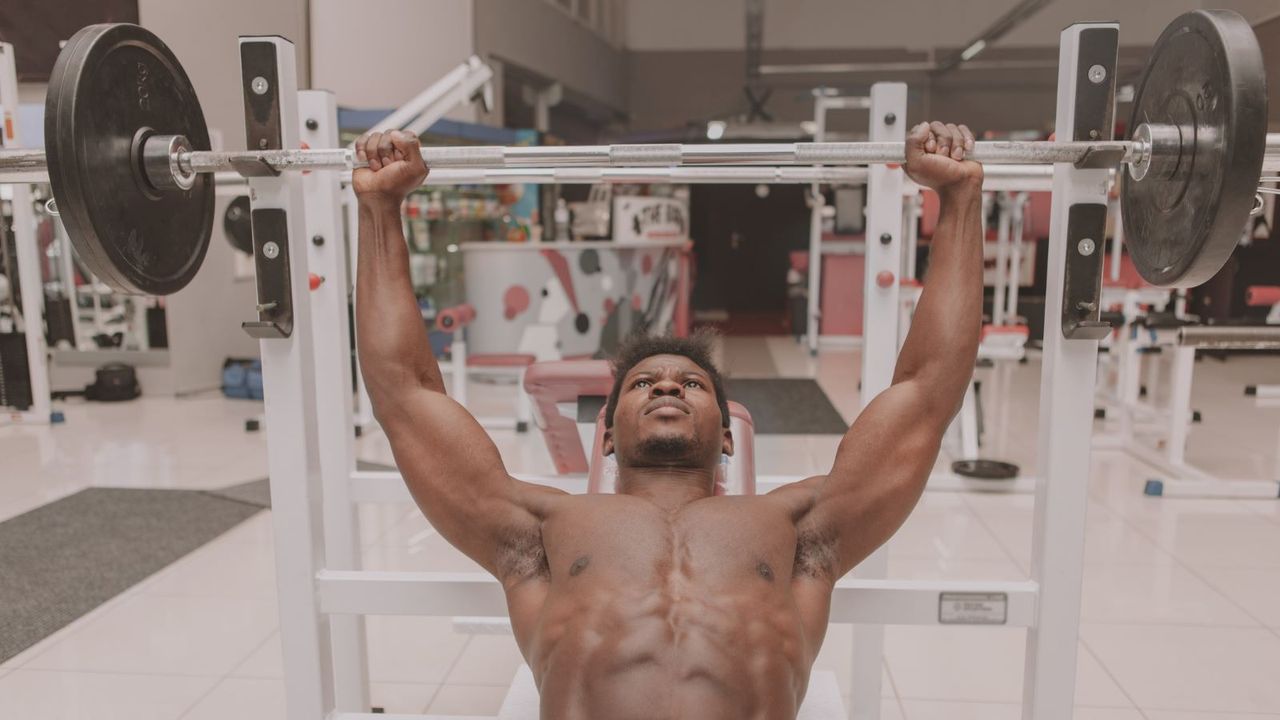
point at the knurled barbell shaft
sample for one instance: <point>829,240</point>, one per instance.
<point>665,155</point>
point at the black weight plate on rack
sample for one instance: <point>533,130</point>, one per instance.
<point>1205,75</point>
<point>985,469</point>
<point>113,86</point>
<point>237,223</point>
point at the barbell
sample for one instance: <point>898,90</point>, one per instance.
<point>126,154</point>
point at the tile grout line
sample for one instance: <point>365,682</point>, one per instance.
<point>897,696</point>
<point>444,681</point>
<point>1192,571</point>
<point>1133,703</point>
<point>225,676</point>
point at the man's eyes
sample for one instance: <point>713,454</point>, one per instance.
<point>647,383</point>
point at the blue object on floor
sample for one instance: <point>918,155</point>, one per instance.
<point>1154,488</point>
<point>242,379</point>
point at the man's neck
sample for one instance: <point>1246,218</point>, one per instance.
<point>670,488</point>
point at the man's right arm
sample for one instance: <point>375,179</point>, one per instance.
<point>451,466</point>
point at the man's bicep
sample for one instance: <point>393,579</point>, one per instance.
<point>880,470</point>
<point>456,475</point>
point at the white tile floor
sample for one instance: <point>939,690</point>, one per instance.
<point>1181,599</point>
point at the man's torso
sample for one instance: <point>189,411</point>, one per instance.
<point>713,610</point>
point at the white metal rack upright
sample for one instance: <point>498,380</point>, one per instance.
<point>27,252</point>
<point>312,489</point>
<point>822,104</point>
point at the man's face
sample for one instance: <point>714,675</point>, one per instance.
<point>667,415</point>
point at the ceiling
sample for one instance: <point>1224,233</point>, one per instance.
<point>664,25</point>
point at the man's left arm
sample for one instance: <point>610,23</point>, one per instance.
<point>885,458</point>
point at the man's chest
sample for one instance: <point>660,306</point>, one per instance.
<point>716,538</point>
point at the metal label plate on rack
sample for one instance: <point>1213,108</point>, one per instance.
<point>973,608</point>
<point>115,85</point>
<point>1205,76</point>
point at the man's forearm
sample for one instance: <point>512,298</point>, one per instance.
<point>943,342</point>
<point>392,339</point>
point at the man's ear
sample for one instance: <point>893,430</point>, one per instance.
<point>606,443</point>
<point>726,446</point>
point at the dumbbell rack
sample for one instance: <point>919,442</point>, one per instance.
<point>322,594</point>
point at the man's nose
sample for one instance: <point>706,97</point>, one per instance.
<point>668,387</point>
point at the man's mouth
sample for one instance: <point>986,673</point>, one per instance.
<point>667,402</point>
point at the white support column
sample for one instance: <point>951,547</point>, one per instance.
<point>288,374</point>
<point>879,349</point>
<point>67,272</point>
<point>911,224</point>
<point>1117,241</point>
<point>363,406</point>
<point>326,257</point>
<point>812,326</point>
<point>1179,414</point>
<point>813,316</point>
<point>458,366</point>
<point>24,236</point>
<point>1017,230</point>
<point>967,422</point>
<point>1087,55</point>
<point>1002,203</point>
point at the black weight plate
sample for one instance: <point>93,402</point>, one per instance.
<point>238,225</point>
<point>985,469</point>
<point>1205,74</point>
<point>112,86</point>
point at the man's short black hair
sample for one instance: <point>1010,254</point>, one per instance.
<point>639,346</point>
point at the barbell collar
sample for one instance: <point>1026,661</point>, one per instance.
<point>160,162</point>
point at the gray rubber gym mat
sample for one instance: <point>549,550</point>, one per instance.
<point>258,492</point>
<point>787,406</point>
<point>59,561</point>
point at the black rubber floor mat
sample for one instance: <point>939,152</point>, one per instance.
<point>787,406</point>
<point>60,561</point>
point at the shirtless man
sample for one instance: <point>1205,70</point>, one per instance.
<point>664,600</point>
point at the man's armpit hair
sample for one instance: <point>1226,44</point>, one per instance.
<point>815,555</point>
<point>521,556</point>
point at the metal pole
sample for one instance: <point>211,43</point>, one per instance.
<point>1015,257</point>
<point>27,165</point>
<point>1003,218</point>
<point>333,392</point>
<point>1066,399</point>
<point>658,155</point>
<point>1258,337</point>
<point>813,300</point>
<point>879,350</point>
<point>288,376</point>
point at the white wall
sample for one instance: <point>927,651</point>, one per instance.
<point>204,35</point>
<point>204,317</point>
<point>375,54</point>
<point>911,24</point>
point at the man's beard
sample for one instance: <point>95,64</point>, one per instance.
<point>666,448</point>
